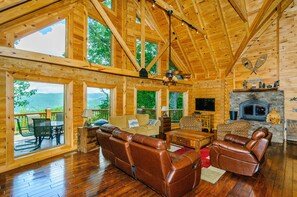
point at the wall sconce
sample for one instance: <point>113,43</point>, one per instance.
<point>169,78</point>
<point>164,111</point>
<point>87,113</point>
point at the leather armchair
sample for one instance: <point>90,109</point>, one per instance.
<point>120,147</point>
<point>239,154</point>
<point>167,173</point>
<point>103,134</point>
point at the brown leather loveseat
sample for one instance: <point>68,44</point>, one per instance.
<point>239,154</point>
<point>103,135</point>
<point>167,173</point>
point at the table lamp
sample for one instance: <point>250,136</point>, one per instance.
<point>87,113</point>
<point>164,110</point>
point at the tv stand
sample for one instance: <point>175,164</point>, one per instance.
<point>206,120</point>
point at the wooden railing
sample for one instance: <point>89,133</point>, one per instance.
<point>150,111</point>
<point>100,114</point>
<point>176,115</point>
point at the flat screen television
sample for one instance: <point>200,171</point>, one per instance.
<point>205,104</point>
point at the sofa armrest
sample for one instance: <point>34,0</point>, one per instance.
<point>184,164</point>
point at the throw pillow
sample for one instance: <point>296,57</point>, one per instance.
<point>100,122</point>
<point>152,122</point>
<point>133,123</point>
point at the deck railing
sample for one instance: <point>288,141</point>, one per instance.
<point>100,114</point>
<point>176,115</point>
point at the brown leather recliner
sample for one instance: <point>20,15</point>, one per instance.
<point>239,154</point>
<point>120,146</point>
<point>103,134</point>
<point>167,173</point>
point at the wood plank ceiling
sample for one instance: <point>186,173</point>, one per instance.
<point>217,33</point>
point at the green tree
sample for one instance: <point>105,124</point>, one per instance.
<point>99,43</point>
<point>22,92</point>
<point>151,50</point>
<point>106,102</point>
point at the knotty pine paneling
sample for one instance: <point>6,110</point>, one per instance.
<point>267,73</point>
<point>288,62</point>
<point>210,89</point>
<point>2,118</point>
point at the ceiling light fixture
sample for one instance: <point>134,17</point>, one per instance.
<point>169,78</point>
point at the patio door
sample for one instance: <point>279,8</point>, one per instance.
<point>39,116</point>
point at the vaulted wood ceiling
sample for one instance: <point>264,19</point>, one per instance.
<point>221,29</point>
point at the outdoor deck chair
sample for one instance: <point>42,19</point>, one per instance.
<point>30,121</point>
<point>42,128</point>
<point>28,144</point>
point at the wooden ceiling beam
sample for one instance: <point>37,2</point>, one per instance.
<point>268,5</point>
<point>142,36</point>
<point>116,34</point>
<point>178,15</point>
<point>190,35</point>
<point>241,13</point>
<point>26,8</point>
<point>5,4</point>
<point>209,45</point>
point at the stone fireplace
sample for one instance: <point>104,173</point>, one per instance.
<point>254,106</point>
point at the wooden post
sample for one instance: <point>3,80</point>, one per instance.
<point>48,113</point>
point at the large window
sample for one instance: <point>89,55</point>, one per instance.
<point>107,3</point>
<point>98,99</point>
<point>99,43</point>
<point>146,103</point>
<point>176,106</point>
<point>151,51</point>
<point>50,40</point>
<point>39,116</point>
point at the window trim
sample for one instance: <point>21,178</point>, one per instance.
<point>13,161</point>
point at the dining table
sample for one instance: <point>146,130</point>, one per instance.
<point>57,126</point>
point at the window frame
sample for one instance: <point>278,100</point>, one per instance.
<point>68,117</point>
<point>112,40</point>
<point>185,100</point>
<point>158,98</point>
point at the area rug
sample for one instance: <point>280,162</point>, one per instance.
<point>208,172</point>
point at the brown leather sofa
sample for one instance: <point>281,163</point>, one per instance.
<point>103,134</point>
<point>240,155</point>
<point>119,142</point>
<point>167,173</point>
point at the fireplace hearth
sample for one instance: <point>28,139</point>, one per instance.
<point>255,106</point>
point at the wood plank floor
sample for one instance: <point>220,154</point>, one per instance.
<point>79,174</point>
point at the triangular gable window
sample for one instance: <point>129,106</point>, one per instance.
<point>49,40</point>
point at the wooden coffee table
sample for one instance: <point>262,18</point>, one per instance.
<point>189,138</point>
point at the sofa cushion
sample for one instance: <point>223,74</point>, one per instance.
<point>143,119</point>
<point>119,121</point>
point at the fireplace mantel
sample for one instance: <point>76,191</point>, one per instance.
<point>255,90</point>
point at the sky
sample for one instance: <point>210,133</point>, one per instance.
<point>50,40</point>
<point>46,87</point>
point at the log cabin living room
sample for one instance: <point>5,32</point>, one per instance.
<point>148,98</point>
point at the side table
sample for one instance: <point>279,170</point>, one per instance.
<point>165,127</point>
<point>87,139</point>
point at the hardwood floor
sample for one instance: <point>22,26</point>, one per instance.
<point>80,174</point>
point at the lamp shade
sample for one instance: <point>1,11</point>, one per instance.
<point>87,113</point>
<point>164,108</point>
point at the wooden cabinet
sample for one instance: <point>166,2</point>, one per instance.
<point>206,119</point>
<point>165,127</point>
<point>86,139</point>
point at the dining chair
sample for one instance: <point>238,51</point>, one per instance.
<point>29,143</point>
<point>30,121</point>
<point>60,116</point>
<point>42,128</point>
